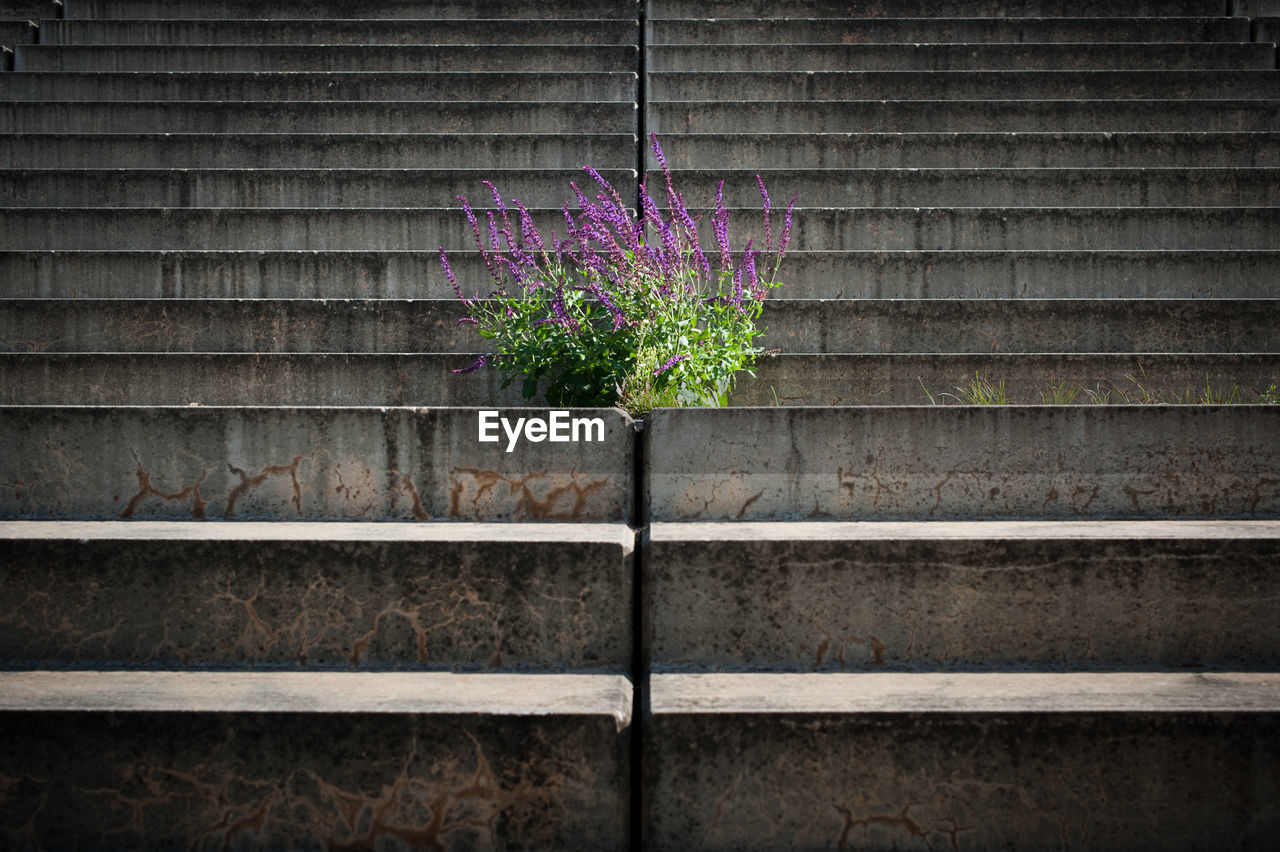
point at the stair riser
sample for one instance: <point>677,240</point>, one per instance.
<point>417,58</point>
<point>411,10</point>
<point>306,780</point>
<point>365,188</point>
<point>986,780</point>
<point>859,605</point>
<point>362,230</point>
<point>430,379</point>
<point>969,150</point>
<point>321,151</point>
<point>967,188</point>
<point>306,117</point>
<point>471,605</point>
<point>316,464</point>
<point>346,32</point>
<point>931,57</point>
<point>670,118</point>
<point>962,463</point>
<point>866,275</point>
<point>141,86</point>
<point>265,274</point>
<point>944,30</point>
<point>896,379</point>
<point>795,326</point>
<point>960,86</point>
<point>730,9</point>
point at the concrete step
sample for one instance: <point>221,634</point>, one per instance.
<point>367,32</point>
<point>794,325</point>
<point>958,85</point>
<point>962,150</point>
<point>257,379</point>
<point>965,30</point>
<point>821,229</point>
<point>16,32</point>
<point>257,228</point>
<point>908,56</point>
<point>1266,29</point>
<point>294,759</point>
<point>304,86</point>
<point>31,9</point>
<point>1104,760</point>
<point>372,187</point>
<point>236,325</point>
<point>919,187</point>
<point>319,150</point>
<point>312,464</point>
<point>241,274</point>
<point>923,463</point>
<point>928,326</point>
<point>1007,228</point>
<point>399,10</point>
<point>668,118</point>
<point>362,274</point>
<point>1035,274</point>
<point>1081,378</point>
<point>1064,595</point>
<point>304,188</point>
<point>466,597</point>
<point>732,9</point>
<point>285,57</point>
<point>388,117</point>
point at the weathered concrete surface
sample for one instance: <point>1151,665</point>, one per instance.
<point>1036,30</point>
<point>1009,228</point>
<point>1266,29</point>
<point>359,274</point>
<point>362,229</point>
<point>545,597</point>
<point>240,274</point>
<point>377,57</point>
<point>303,86</point>
<point>13,33</point>
<point>1006,325</point>
<point>368,188</point>
<point>823,761</point>
<point>302,761</point>
<point>347,379</point>
<point>963,187</point>
<point>936,595</point>
<point>363,379</point>
<point>794,325</point>
<point>530,31</point>
<point>730,9</point>
<point>962,463</point>
<point>911,379</point>
<point>1028,274</point>
<point>303,464</point>
<point>320,150</point>
<point>870,116</point>
<point>313,117</point>
<point>825,85</point>
<point>399,10</point>
<point>994,149</point>
<point>898,57</point>
<point>30,9</point>
<point>237,325</point>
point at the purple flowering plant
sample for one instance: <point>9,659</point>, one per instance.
<point>627,310</point>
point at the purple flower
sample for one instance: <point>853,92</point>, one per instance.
<point>721,223</point>
<point>786,228</point>
<point>475,228</point>
<point>480,362</point>
<point>670,362</point>
<point>768,232</point>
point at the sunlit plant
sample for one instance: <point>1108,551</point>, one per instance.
<point>627,309</point>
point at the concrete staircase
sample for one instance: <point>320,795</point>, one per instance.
<point>832,617</point>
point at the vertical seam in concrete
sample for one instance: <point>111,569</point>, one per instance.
<point>642,95</point>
